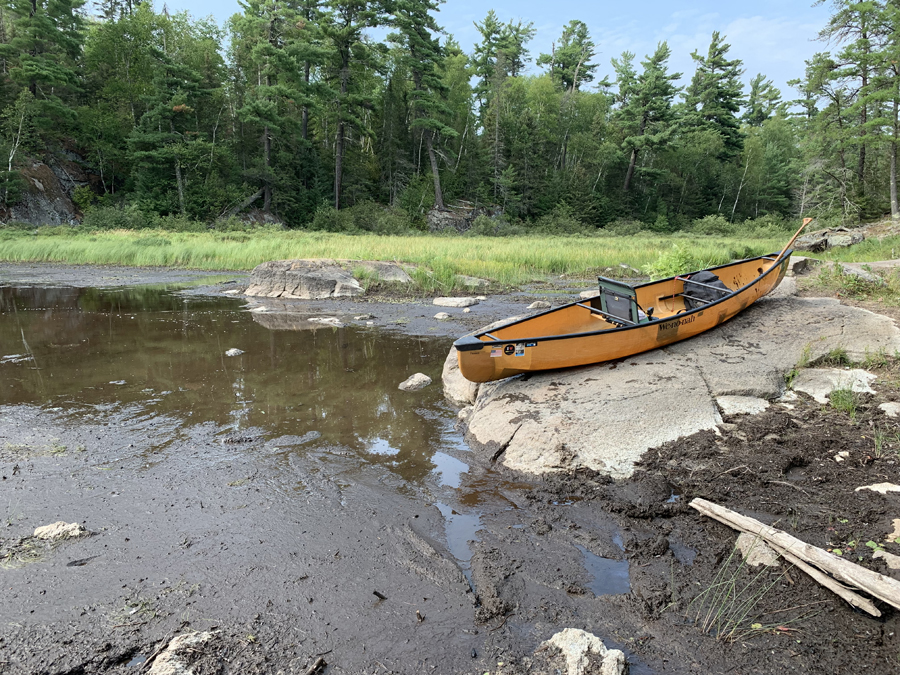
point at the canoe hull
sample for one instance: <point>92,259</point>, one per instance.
<point>520,348</point>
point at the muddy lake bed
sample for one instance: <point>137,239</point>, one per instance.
<point>293,500</point>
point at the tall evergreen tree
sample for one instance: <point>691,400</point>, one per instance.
<point>422,55</point>
<point>714,97</point>
<point>570,61</point>
<point>763,101</point>
<point>343,27</point>
<point>646,113</point>
<point>42,55</point>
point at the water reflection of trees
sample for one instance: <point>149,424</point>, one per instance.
<point>341,382</point>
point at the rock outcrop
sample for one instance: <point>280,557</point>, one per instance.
<point>824,239</point>
<point>604,417</point>
<point>318,278</point>
<point>45,199</point>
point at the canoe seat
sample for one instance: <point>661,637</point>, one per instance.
<point>618,301</point>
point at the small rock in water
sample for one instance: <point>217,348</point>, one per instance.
<point>118,382</point>
<point>584,295</point>
<point>539,304</point>
<point>234,352</point>
<point>455,302</point>
<point>466,310</point>
<point>442,316</point>
<point>415,382</point>
<point>261,308</point>
<point>232,291</point>
<point>363,317</point>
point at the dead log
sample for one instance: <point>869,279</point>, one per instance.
<point>793,549</point>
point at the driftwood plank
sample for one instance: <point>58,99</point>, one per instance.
<point>875,584</point>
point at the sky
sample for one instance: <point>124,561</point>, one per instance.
<point>770,36</point>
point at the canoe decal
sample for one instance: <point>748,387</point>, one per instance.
<point>669,327</point>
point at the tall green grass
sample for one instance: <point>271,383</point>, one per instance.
<point>505,261</point>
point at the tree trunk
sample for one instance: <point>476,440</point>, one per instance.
<point>631,164</point>
<point>267,154</point>
<point>339,137</point>
<point>895,207</point>
<point>304,124</point>
<point>178,179</point>
<point>338,163</point>
<point>438,195</point>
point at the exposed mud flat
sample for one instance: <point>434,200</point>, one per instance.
<point>223,499</point>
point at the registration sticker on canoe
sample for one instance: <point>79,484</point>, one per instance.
<point>520,349</point>
<point>496,351</point>
<point>531,344</point>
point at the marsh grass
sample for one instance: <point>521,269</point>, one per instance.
<point>505,261</point>
<point>844,400</point>
<point>727,608</point>
<point>20,552</point>
<point>833,279</point>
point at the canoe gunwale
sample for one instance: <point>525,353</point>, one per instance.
<point>468,343</point>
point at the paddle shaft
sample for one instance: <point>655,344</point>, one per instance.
<point>806,221</point>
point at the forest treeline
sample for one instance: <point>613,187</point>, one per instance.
<point>294,109</point>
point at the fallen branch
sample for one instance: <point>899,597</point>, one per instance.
<point>320,663</point>
<point>813,560</point>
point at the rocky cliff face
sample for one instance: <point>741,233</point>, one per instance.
<point>47,192</point>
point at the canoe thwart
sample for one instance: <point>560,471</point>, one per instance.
<point>700,283</point>
<point>615,319</point>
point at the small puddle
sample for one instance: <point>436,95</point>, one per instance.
<point>608,576</point>
<point>136,661</point>
<point>460,529</point>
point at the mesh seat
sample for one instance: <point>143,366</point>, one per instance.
<point>619,301</point>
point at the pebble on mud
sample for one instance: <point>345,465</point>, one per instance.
<point>415,382</point>
<point>881,488</point>
<point>60,530</point>
<point>442,316</point>
<point>172,661</point>
<point>539,304</point>
<point>234,352</point>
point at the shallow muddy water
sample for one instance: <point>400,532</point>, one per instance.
<point>149,354</point>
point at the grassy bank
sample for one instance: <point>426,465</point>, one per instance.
<point>503,260</point>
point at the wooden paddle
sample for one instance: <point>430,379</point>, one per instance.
<point>806,221</point>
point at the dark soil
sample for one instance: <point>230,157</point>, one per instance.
<point>201,535</point>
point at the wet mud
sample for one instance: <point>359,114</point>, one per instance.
<point>294,502</point>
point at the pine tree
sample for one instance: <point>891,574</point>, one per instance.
<point>646,114</point>
<point>763,101</point>
<point>569,63</point>
<point>423,55</point>
<point>714,97</point>
<point>343,27</point>
<point>42,55</point>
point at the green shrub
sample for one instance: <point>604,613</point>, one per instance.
<point>360,218</point>
<point>714,224</point>
<point>499,226</point>
<point>677,260</point>
<point>117,218</point>
<point>83,197</point>
<point>560,220</point>
<point>624,228</point>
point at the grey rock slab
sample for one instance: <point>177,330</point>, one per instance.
<point>605,416</point>
<point>860,272</point>
<point>302,279</point>
<point>600,417</point>
<point>741,405</point>
<point>820,383</point>
<point>457,389</point>
<point>472,282</point>
<point>442,316</point>
<point>586,295</point>
<point>455,302</point>
<point>891,408</point>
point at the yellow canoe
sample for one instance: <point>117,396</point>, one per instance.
<point>620,322</point>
